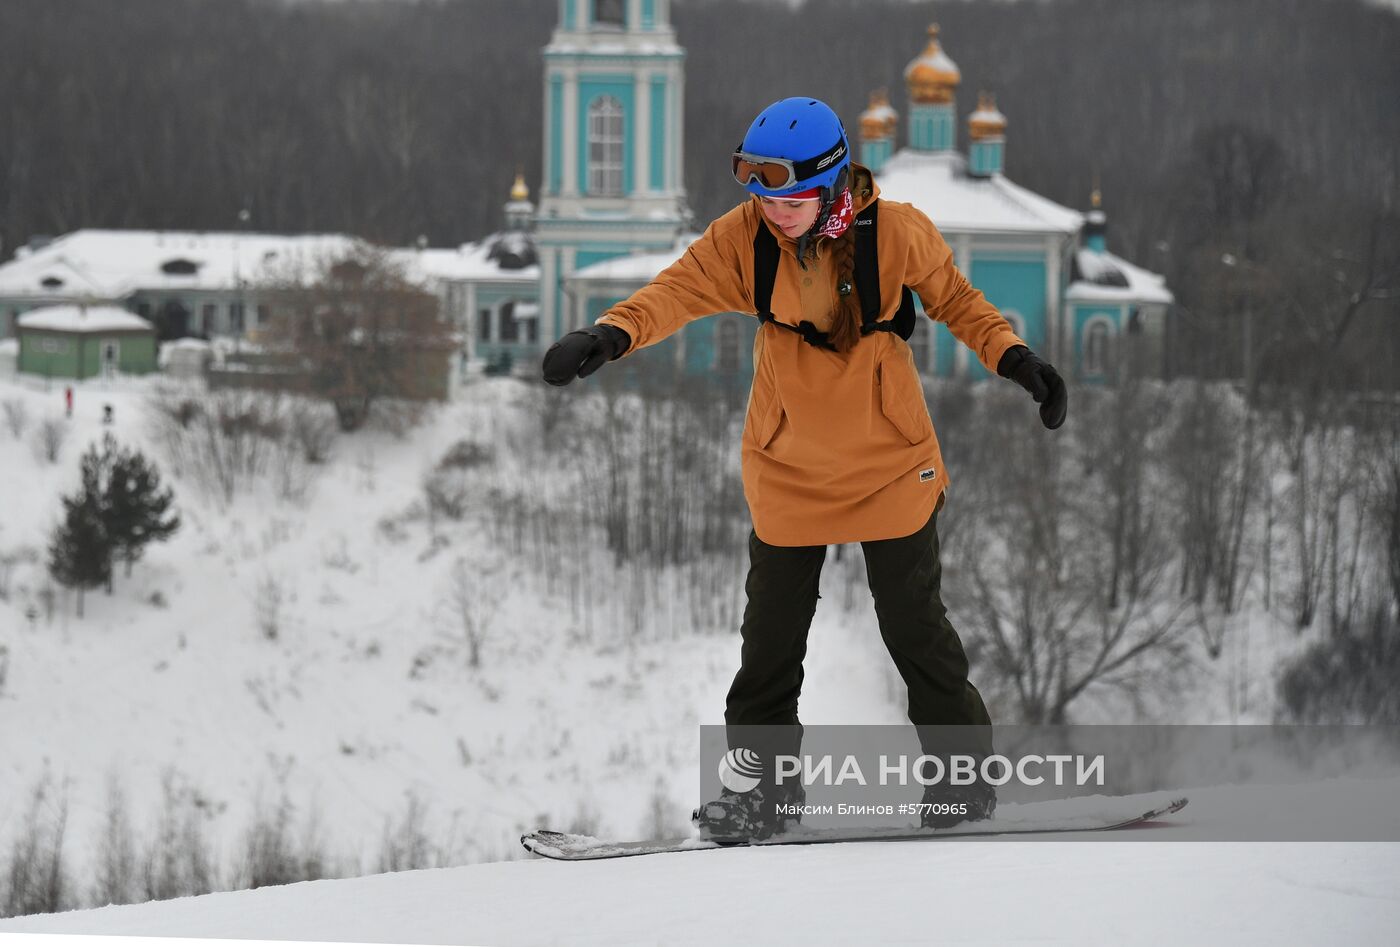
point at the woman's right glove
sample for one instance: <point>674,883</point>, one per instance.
<point>583,351</point>
<point>1038,377</point>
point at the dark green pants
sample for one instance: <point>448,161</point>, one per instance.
<point>904,578</point>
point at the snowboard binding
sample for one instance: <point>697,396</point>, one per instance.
<point>736,818</point>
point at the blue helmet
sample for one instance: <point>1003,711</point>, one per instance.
<point>793,146</point>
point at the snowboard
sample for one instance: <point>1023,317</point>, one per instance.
<point>1084,814</point>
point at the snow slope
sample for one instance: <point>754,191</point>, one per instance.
<point>363,701</point>
<point>1127,887</point>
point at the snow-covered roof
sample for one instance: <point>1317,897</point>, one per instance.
<point>84,319</point>
<point>480,261</point>
<point>637,267</point>
<point>111,264</point>
<point>938,184</point>
<point>1105,277</point>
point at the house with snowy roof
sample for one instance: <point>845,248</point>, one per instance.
<point>183,283</point>
<point>82,341</point>
<point>612,211</point>
<point>78,305</point>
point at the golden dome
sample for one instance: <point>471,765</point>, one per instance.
<point>932,77</point>
<point>986,122</point>
<point>519,191</point>
<point>880,120</point>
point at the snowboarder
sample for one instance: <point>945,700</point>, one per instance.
<point>838,446</point>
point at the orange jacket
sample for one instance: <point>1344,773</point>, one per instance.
<point>837,447</point>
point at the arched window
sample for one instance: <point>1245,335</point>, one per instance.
<point>509,327</point>
<point>727,347</point>
<point>605,147</point>
<point>610,12</point>
<point>1098,343</point>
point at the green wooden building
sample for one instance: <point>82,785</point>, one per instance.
<point>85,342</point>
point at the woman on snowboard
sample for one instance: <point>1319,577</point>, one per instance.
<point>837,444</point>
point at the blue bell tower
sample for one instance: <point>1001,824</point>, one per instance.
<point>612,182</point>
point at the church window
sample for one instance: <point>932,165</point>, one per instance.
<point>610,12</point>
<point>510,328</point>
<point>1098,337</point>
<point>605,147</point>
<point>484,325</point>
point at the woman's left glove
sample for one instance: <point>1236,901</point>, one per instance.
<point>583,351</point>
<point>1038,377</point>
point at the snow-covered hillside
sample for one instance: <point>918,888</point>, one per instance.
<point>1129,889</point>
<point>294,655</point>
<point>365,703</point>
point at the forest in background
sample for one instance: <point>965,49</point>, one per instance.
<point>1249,150</point>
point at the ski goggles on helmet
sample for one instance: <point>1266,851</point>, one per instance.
<point>778,173</point>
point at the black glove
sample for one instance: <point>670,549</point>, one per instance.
<point>1038,377</point>
<point>582,352</point>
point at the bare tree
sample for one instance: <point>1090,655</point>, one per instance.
<point>474,596</point>
<point>361,332</point>
<point>1068,577</point>
<point>1213,457</point>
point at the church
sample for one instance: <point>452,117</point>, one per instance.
<point>612,215</point>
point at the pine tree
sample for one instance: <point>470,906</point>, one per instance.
<point>136,508</point>
<point>80,556</point>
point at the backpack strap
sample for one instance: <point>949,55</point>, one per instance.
<point>867,279</point>
<point>765,272</point>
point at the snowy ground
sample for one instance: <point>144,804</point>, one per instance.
<point>362,701</point>
<point>1127,890</point>
<point>561,726</point>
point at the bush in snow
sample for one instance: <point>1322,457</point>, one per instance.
<point>1349,677</point>
<point>408,846</point>
<point>16,417</point>
<point>36,878</point>
<point>274,855</point>
<point>314,429</point>
<point>49,438</point>
<point>231,439</point>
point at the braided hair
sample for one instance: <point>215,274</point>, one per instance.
<point>846,316</point>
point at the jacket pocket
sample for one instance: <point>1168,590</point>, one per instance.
<point>767,424</point>
<point>902,396</point>
<point>765,407</point>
